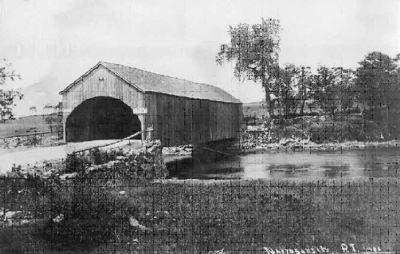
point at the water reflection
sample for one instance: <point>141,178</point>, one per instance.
<point>333,171</point>
<point>294,165</point>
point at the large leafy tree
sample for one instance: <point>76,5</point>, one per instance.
<point>254,49</point>
<point>7,96</point>
<point>378,85</point>
<point>377,81</point>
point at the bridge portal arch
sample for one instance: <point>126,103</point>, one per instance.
<point>101,117</point>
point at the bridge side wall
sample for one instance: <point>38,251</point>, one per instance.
<point>180,120</point>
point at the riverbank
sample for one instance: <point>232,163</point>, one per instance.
<point>142,216</point>
<point>305,145</point>
<point>247,145</point>
<point>323,132</point>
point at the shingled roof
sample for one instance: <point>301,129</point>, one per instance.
<point>146,81</point>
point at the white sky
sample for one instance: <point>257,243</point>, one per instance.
<point>52,42</point>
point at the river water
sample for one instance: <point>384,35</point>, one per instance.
<point>321,165</point>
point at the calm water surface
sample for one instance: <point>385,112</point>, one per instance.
<point>382,162</point>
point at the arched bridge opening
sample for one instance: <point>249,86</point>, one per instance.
<point>101,118</point>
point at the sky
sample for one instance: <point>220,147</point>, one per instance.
<point>52,42</point>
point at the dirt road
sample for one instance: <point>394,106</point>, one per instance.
<point>36,154</point>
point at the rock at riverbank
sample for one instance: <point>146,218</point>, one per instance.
<point>182,150</point>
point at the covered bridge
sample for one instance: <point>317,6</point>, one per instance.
<point>112,101</point>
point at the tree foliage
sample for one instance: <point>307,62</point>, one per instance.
<point>378,80</point>
<point>378,83</point>
<point>373,89</point>
<point>333,89</point>
<point>7,96</point>
<point>254,49</point>
<point>284,89</point>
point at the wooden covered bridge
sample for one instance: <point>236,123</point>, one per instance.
<point>112,101</point>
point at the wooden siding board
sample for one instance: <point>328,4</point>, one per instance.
<point>188,120</point>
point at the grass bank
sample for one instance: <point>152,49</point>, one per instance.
<point>108,212</point>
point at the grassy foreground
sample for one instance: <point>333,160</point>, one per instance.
<point>97,215</point>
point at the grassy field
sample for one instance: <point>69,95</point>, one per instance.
<point>24,125</point>
<point>194,217</point>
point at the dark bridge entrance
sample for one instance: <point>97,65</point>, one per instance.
<point>101,118</point>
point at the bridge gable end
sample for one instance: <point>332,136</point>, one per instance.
<point>101,82</point>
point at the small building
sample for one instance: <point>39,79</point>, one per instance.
<point>113,101</point>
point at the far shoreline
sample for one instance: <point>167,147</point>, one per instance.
<point>309,146</point>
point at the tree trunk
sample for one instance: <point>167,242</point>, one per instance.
<point>286,102</point>
<point>281,109</point>
<point>302,107</point>
<point>268,100</point>
<point>332,108</point>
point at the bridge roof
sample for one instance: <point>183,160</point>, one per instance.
<point>146,81</point>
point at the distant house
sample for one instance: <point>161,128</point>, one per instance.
<point>48,109</point>
<point>33,109</point>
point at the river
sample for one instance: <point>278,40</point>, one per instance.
<point>321,165</point>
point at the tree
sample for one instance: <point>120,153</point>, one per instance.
<point>303,87</point>
<point>7,96</point>
<point>255,52</point>
<point>292,88</point>
<point>378,86</point>
<point>345,83</point>
<point>333,89</point>
<point>376,81</point>
<point>284,89</point>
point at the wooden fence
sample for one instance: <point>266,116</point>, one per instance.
<point>32,139</point>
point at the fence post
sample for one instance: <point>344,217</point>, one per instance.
<point>149,133</point>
